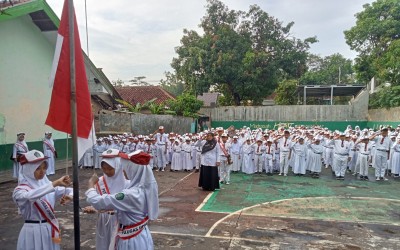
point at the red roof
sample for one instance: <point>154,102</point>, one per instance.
<point>142,94</point>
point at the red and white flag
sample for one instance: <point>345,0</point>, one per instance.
<point>59,116</point>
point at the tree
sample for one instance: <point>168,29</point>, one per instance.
<point>138,80</point>
<point>376,39</point>
<point>286,93</point>
<point>241,54</point>
<point>186,105</point>
<point>172,84</point>
<point>326,71</point>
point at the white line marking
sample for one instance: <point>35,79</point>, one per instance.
<point>204,202</point>
<point>208,234</point>
<point>211,236</point>
<point>186,176</point>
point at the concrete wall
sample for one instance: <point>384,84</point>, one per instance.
<point>389,115</point>
<point>357,110</point>
<point>116,122</point>
<point>286,113</point>
<point>25,64</point>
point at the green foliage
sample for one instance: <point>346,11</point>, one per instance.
<point>286,93</point>
<point>325,71</point>
<point>186,105</point>
<point>132,108</point>
<point>243,55</point>
<point>387,97</point>
<point>376,39</point>
<point>172,84</point>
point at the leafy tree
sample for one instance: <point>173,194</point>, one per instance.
<point>139,81</point>
<point>286,93</point>
<point>387,97</point>
<point>172,84</point>
<point>325,71</point>
<point>186,105</point>
<point>241,54</point>
<point>375,37</point>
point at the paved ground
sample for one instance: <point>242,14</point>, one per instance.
<point>254,212</point>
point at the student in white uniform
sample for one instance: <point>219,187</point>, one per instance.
<point>236,150</point>
<point>162,144</point>
<point>49,151</point>
<point>98,149</point>
<point>315,157</point>
<point>284,143</point>
<point>186,153</point>
<point>299,152</point>
<point>225,166</point>
<point>248,163</point>
<point>113,181</point>
<point>269,158</point>
<point>176,163</point>
<point>20,148</point>
<point>364,147</point>
<point>135,205</point>
<point>35,197</point>
<point>341,157</point>
<point>258,157</point>
<point>382,153</point>
<point>396,157</point>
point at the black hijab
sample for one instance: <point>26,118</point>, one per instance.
<point>209,145</point>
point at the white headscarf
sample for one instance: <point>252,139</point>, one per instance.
<point>116,183</point>
<point>28,178</point>
<point>141,176</point>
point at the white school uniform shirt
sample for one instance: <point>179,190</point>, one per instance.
<point>284,144</point>
<point>382,145</point>
<point>211,157</point>
<point>338,149</point>
<point>227,146</point>
<point>271,150</point>
<point>362,150</point>
<point>258,150</point>
<point>235,148</point>
<point>161,139</point>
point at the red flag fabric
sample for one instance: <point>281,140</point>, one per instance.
<point>59,116</point>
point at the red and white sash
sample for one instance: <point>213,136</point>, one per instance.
<point>128,232</point>
<point>46,211</point>
<point>223,149</point>
<point>22,146</point>
<point>50,146</point>
<point>102,187</point>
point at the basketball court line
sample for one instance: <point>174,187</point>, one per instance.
<point>182,179</point>
<point>205,236</point>
<point>241,212</point>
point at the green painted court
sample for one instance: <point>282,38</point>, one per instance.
<point>305,197</point>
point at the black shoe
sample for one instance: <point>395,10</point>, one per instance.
<point>361,177</point>
<point>337,177</point>
<point>342,177</point>
<point>366,178</point>
<point>196,171</point>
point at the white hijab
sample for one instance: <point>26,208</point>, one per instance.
<point>141,176</point>
<point>116,183</point>
<point>28,178</point>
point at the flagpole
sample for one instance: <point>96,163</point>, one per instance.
<point>71,19</point>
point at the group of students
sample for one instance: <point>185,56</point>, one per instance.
<point>20,147</point>
<point>302,149</point>
<point>125,198</point>
<point>306,150</point>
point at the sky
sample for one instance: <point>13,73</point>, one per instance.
<point>130,38</point>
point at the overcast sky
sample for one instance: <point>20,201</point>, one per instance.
<point>129,38</point>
